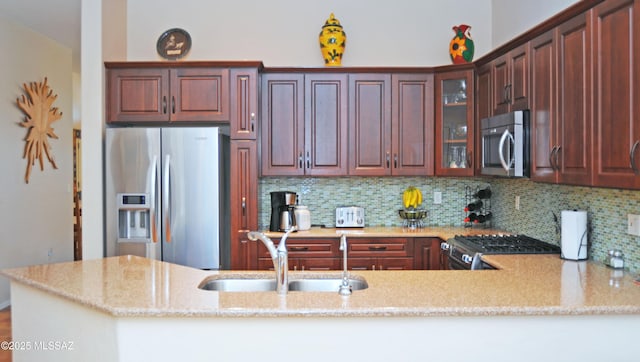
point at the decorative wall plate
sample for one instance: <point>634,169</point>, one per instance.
<point>174,44</point>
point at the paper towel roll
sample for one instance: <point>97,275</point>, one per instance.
<point>574,235</point>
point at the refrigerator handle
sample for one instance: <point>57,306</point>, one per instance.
<point>154,200</point>
<point>166,207</point>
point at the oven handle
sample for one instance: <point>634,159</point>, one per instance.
<point>503,139</point>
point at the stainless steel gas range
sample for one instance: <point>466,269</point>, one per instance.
<point>465,252</point>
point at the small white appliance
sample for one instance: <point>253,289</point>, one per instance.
<point>573,242</point>
<point>349,217</point>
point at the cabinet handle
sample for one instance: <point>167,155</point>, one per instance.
<point>244,205</point>
<point>553,151</point>
<point>388,159</point>
<point>173,104</point>
<point>556,158</point>
<point>308,160</point>
<point>303,268</point>
<point>377,248</point>
<point>164,104</point>
<point>632,157</point>
<point>373,267</point>
<point>298,248</point>
<point>395,160</point>
<point>300,160</point>
<point>470,159</point>
<point>253,121</point>
<point>509,88</point>
<point>358,268</point>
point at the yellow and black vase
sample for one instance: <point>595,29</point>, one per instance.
<point>332,42</point>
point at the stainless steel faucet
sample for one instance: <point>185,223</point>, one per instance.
<point>345,287</point>
<point>279,256</point>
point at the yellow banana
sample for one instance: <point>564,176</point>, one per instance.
<point>411,197</point>
<point>419,197</point>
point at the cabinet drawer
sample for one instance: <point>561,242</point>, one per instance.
<point>308,248</point>
<point>384,247</point>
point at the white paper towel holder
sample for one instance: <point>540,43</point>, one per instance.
<point>574,236</point>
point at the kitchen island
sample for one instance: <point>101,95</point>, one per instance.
<point>536,307</point>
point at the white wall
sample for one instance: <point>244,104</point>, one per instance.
<point>285,32</point>
<point>511,18</point>
<point>34,217</point>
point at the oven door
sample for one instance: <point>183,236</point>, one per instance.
<point>455,264</point>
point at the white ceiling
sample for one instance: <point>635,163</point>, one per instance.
<point>56,19</point>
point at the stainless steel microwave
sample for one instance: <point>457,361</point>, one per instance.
<point>505,145</point>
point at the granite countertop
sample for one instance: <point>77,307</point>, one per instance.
<point>442,232</point>
<point>129,286</point>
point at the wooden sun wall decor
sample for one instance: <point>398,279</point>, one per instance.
<point>39,117</point>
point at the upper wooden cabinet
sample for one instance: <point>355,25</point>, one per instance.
<point>157,94</point>
<point>391,124</point>
<point>304,124</point>
<point>560,99</point>
<point>412,124</point>
<point>616,29</point>
<point>325,124</point>
<point>510,80</point>
<point>454,151</point>
<point>243,91</point>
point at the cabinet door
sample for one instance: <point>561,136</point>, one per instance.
<point>543,108</point>
<point>483,109</point>
<point>325,124</point>
<point>574,126</point>
<point>518,90</point>
<point>500,84</point>
<point>412,124</point>
<point>510,81</point>
<point>315,264</point>
<point>454,124</point>
<point>243,88</point>
<point>370,124</point>
<point>394,264</point>
<point>137,95</point>
<point>282,124</point>
<point>199,94</point>
<point>244,203</point>
<point>426,254</point>
<point>616,25</point>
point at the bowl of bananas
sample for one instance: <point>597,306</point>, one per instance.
<point>412,215</point>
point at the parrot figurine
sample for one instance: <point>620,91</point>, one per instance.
<point>461,46</point>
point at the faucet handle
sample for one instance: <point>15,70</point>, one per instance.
<point>345,288</point>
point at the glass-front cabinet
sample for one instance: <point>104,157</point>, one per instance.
<point>454,123</point>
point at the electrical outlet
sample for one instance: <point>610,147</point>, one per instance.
<point>633,224</point>
<point>518,202</point>
<point>437,197</point>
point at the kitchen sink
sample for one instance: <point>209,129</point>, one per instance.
<point>236,284</point>
<point>325,284</point>
<point>306,283</point>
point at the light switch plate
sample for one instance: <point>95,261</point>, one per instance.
<point>633,224</point>
<point>437,197</point>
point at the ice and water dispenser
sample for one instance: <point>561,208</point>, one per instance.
<point>134,218</point>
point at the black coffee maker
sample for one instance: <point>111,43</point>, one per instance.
<point>282,205</point>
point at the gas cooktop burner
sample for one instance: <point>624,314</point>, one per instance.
<point>506,244</point>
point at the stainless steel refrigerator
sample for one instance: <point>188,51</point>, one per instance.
<point>167,194</point>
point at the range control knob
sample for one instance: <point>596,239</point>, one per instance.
<point>467,259</point>
<point>445,246</point>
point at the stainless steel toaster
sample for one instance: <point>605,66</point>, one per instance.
<point>349,217</point>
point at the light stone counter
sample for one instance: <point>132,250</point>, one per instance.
<point>526,285</point>
<point>135,309</point>
<point>442,232</point>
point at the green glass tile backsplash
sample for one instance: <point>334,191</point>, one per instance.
<point>382,198</point>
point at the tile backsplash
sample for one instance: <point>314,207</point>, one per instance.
<point>382,198</point>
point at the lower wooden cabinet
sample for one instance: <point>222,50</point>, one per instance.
<point>322,254</point>
<point>427,255</point>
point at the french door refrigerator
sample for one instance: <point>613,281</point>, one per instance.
<point>167,196</point>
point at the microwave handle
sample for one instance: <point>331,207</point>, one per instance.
<point>503,139</point>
